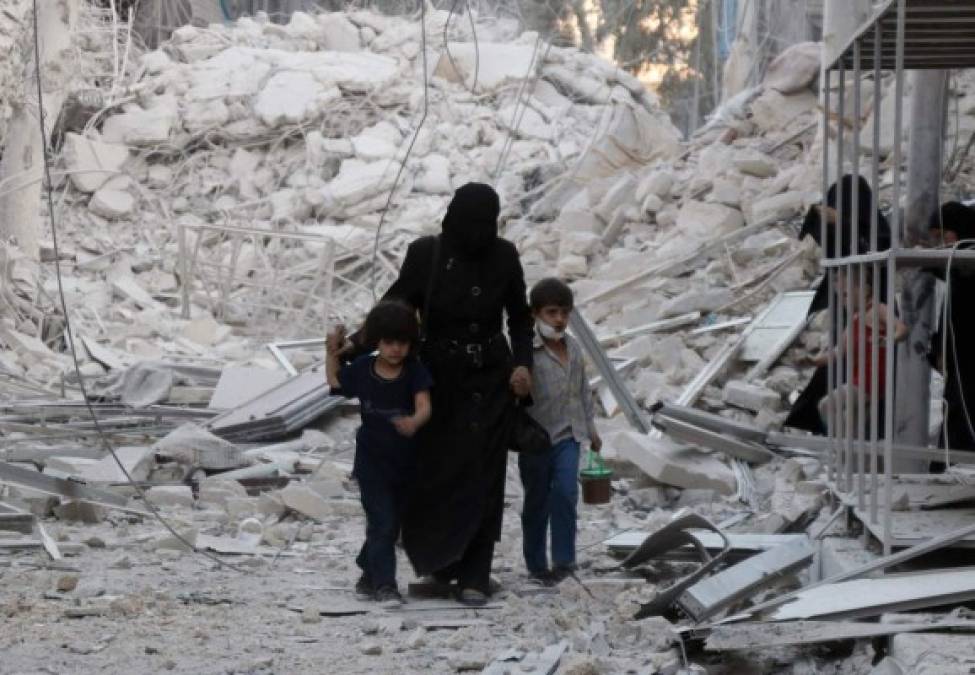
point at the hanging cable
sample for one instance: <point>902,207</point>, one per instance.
<point>69,336</point>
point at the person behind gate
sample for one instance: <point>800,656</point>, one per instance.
<point>562,403</point>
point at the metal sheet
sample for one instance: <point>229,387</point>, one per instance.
<point>777,324</point>
<point>634,413</point>
<point>733,584</point>
<point>758,635</point>
<point>873,597</point>
<point>59,487</point>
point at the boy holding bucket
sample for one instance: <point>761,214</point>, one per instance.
<point>563,405</point>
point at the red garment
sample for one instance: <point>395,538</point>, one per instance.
<point>868,355</point>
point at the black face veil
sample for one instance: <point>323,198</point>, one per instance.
<point>470,226</point>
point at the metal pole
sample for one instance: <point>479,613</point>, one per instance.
<point>861,273</point>
<point>841,319</point>
<point>895,240</point>
<point>823,231</point>
<point>874,225</point>
<point>184,273</point>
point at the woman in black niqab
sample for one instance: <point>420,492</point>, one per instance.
<point>839,242</point>
<point>464,282</point>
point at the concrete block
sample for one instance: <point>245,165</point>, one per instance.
<point>672,464</point>
<point>750,396</point>
<point>752,163</point>
<point>697,301</point>
<point>702,220</point>
<point>242,507</point>
<point>218,491</point>
<point>579,221</point>
<point>82,512</point>
<point>90,163</point>
<point>782,205</point>
<point>305,501</point>
<point>171,495</point>
<point>112,204</point>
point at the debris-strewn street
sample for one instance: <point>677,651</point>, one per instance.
<point>225,197</point>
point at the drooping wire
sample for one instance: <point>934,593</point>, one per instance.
<point>409,150</point>
<point>477,47</point>
<point>103,438</point>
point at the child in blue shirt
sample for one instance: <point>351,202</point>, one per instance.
<point>393,389</point>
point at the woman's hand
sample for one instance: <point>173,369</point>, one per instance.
<point>521,382</point>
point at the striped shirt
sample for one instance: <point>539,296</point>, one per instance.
<point>563,400</point>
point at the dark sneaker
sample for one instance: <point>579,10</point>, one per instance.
<point>543,577</point>
<point>561,572</point>
<point>472,597</point>
<point>389,597</point>
<point>363,587</point>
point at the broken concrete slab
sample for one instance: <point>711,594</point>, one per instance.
<point>750,396</point>
<point>171,495</point>
<point>672,464</point>
<point>91,163</point>
<point>240,384</point>
<point>194,446</point>
<point>306,501</point>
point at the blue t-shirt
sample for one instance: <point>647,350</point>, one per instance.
<point>381,451</point>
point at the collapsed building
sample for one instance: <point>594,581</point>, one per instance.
<point>222,199</point>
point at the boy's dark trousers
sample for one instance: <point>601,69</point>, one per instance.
<point>384,502</point>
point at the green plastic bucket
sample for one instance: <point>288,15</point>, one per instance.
<point>595,479</point>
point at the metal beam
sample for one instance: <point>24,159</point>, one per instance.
<point>60,487</point>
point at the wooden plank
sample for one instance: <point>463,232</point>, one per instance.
<point>759,635</point>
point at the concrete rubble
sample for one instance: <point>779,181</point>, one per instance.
<point>256,155</point>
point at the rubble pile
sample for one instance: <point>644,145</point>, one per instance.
<point>227,199</point>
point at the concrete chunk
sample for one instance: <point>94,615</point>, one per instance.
<point>671,464</point>
<point>90,163</point>
<point>305,501</point>
<point>171,495</point>
<point>750,396</point>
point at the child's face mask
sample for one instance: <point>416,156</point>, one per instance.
<point>547,331</point>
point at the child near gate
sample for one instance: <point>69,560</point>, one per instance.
<point>393,389</point>
<point>563,405</point>
<point>846,397</point>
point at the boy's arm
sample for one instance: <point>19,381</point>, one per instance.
<point>335,346</point>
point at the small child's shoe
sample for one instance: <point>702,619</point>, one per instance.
<point>364,588</point>
<point>389,597</point>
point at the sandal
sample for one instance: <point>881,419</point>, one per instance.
<point>471,597</point>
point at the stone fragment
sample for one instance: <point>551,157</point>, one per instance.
<point>495,64</point>
<point>305,501</point>
<point>218,491</point>
<point>292,97</point>
<point>672,464</point>
<point>171,495</point>
<point>750,396</point>
<point>338,33</point>
<point>67,583</point>
<point>191,445</point>
<point>697,301</point>
<point>91,163</point>
<point>185,542</point>
<point>311,615</point>
<point>706,221</point>
<point>83,512</point>
<point>370,648</point>
<point>754,163</point>
<point>772,110</point>
<point>112,204</point>
<point>417,639</point>
<point>780,206</point>
<point>150,126</point>
<point>795,69</point>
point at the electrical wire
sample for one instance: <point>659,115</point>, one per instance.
<point>69,336</point>
<point>409,149</point>
<point>477,48</point>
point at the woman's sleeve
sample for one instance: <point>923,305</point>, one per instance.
<point>409,287</point>
<point>519,315</point>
